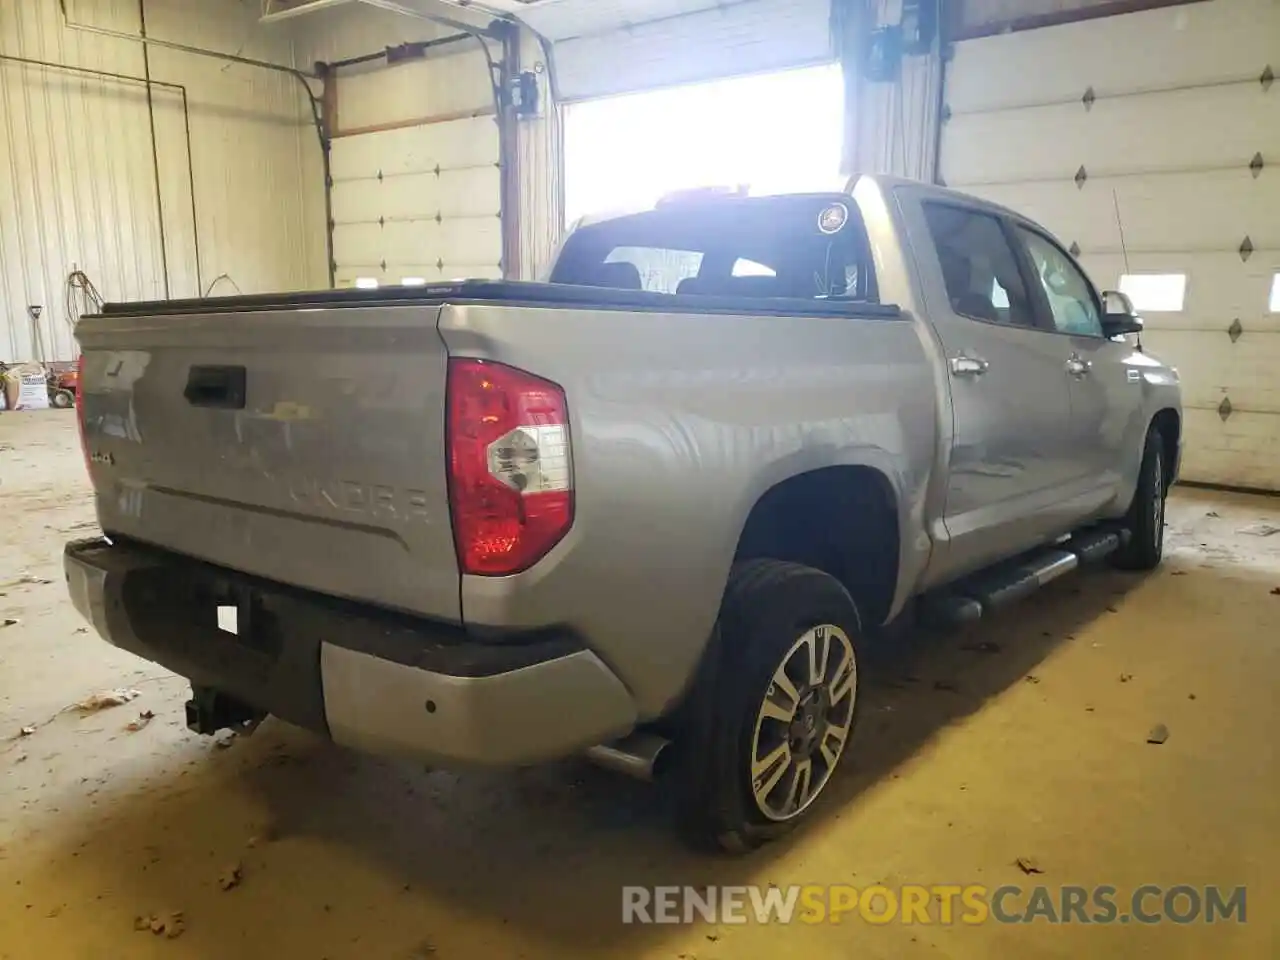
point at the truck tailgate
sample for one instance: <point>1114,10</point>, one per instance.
<point>304,445</point>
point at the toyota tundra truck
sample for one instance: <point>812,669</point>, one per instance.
<point>650,510</point>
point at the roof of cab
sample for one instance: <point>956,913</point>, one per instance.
<point>885,183</point>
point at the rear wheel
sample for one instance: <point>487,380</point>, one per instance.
<point>1145,519</point>
<point>62,399</point>
<point>774,708</point>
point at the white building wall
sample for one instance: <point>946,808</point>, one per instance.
<point>449,79</point>
<point>416,176</point>
<point>1159,160</point>
<point>78,185</point>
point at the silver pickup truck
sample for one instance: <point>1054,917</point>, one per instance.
<point>649,511</point>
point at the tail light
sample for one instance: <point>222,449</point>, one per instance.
<point>510,466</point>
<point>84,435</point>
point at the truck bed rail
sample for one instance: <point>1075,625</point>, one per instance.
<point>514,293</point>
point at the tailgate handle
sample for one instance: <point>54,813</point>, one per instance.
<point>220,387</point>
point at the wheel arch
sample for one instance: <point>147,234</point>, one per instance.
<point>843,519</point>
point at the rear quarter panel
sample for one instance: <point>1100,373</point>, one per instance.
<point>679,423</point>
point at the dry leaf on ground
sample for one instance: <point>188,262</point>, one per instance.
<point>171,925</point>
<point>231,876</point>
<point>145,717</point>
<point>105,700</point>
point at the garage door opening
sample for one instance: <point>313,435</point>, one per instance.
<point>775,133</point>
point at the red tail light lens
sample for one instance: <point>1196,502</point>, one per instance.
<point>84,436</point>
<point>510,466</point>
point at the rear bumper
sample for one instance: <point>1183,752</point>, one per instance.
<point>372,680</point>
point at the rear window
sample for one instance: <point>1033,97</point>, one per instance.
<point>802,247</point>
<point>659,269</point>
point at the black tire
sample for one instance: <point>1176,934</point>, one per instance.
<point>63,399</point>
<point>1145,519</point>
<point>768,610</point>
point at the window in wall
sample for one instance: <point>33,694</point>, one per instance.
<point>1156,292</point>
<point>413,281</point>
<point>775,133</point>
<point>978,266</point>
<point>1275,293</point>
<point>367,283</point>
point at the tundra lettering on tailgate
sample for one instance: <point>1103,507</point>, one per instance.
<point>369,499</point>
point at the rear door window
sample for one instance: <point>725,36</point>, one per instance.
<point>979,267</point>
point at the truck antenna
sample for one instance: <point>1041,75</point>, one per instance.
<point>1124,250</point>
<point>1115,200</point>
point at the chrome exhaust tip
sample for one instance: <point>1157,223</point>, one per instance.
<point>638,755</point>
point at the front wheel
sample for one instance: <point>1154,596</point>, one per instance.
<point>1145,519</point>
<point>772,716</point>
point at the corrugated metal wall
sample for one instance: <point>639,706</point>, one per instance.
<point>78,181</point>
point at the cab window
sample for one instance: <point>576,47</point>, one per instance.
<point>1072,301</point>
<point>656,268</point>
<point>979,267</point>
<point>794,247</point>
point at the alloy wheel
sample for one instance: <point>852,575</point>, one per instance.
<point>803,722</point>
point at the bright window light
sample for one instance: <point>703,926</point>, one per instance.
<point>367,283</point>
<point>776,133</point>
<point>749,268</point>
<point>413,281</point>
<point>1157,292</point>
<point>1275,293</point>
<point>999,295</point>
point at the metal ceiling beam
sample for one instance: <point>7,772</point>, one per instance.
<point>1054,17</point>
<point>414,12</point>
<point>502,9</point>
<point>301,75</point>
<point>391,6</point>
<point>288,13</point>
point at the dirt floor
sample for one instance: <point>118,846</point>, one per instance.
<point>1025,737</point>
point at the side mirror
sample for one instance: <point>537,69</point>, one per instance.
<point>1118,317</point>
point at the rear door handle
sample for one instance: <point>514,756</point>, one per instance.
<point>1077,367</point>
<point>222,388</point>
<point>963,366</point>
